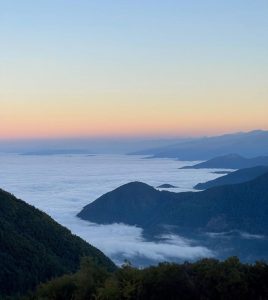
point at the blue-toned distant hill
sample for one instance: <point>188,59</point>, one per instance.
<point>231,161</point>
<point>238,176</point>
<point>34,248</point>
<point>166,186</point>
<point>229,219</point>
<point>241,206</point>
<point>249,144</point>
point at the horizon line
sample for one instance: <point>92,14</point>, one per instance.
<point>127,137</point>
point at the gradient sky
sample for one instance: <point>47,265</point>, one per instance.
<point>132,67</point>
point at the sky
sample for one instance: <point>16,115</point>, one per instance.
<point>102,68</point>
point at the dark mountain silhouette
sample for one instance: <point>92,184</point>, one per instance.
<point>249,144</point>
<point>34,248</point>
<point>241,207</point>
<point>231,161</point>
<point>238,176</point>
<point>132,203</point>
<point>222,172</point>
<point>166,186</point>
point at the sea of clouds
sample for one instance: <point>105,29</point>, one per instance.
<point>61,185</point>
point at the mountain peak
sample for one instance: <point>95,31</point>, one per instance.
<point>136,186</point>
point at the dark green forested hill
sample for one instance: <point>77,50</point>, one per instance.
<point>232,207</point>
<point>34,248</point>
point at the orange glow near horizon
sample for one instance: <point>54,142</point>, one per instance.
<point>124,119</point>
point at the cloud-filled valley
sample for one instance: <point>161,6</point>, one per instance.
<point>62,185</point>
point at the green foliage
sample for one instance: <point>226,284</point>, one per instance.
<point>34,248</point>
<point>81,285</point>
<point>207,279</point>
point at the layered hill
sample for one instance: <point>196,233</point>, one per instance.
<point>242,207</point>
<point>235,177</point>
<point>249,144</point>
<point>132,203</point>
<point>34,248</point>
<point>231,161</point>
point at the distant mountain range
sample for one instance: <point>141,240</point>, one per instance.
<point>34,248</point>
<point>230,161</point>
<point>77,145</point>
<point>233,207</point>
<point>249,144</point>
<point>230,219</point>
<point>235,177</point>
<point>242,207</point>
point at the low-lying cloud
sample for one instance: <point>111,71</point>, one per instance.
<point>235,233</point>
<point>61,185</point>
<point>120,241</point>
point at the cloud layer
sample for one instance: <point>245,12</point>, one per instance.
<point>61,185</point>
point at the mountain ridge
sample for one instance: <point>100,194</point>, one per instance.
<point>230,161</point>
<point>235,177</point>
<point>249,144</point>
<point>35,248</point>
<point>230,204</point>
